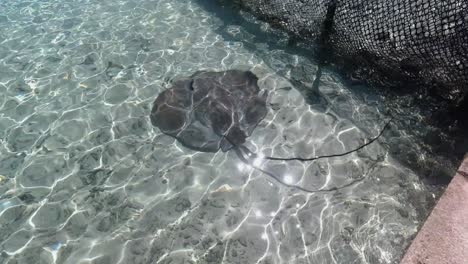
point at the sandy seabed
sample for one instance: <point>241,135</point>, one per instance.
<point>87,179</point>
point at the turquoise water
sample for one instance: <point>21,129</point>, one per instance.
<point>85,178</point>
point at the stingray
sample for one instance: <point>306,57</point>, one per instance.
<point>209,111</point>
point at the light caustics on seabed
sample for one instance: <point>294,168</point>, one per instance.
<point>86,175</point>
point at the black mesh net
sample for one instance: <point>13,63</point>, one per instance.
<point>421,45</point>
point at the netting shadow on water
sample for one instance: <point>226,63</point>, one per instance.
<point>420,46</point>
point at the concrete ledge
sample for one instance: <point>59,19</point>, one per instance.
<point>444,236</point>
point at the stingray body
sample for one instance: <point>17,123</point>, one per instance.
<point>211,110</point>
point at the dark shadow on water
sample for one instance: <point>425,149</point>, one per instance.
<point>275,39</point>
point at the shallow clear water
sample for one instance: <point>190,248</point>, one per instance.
<point>85,178</point>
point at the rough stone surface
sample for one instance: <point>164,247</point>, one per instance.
<point>444,236</point>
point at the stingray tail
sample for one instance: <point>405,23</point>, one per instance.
<point>247,157</point>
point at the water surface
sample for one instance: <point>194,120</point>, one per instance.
<point>87,179</point>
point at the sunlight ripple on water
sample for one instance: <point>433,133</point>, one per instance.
<point>87,179</point>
